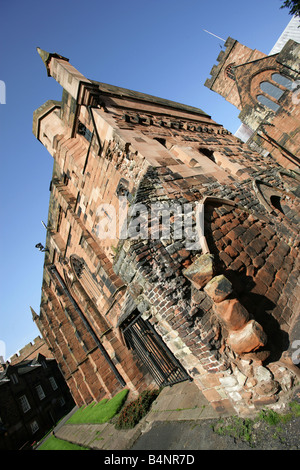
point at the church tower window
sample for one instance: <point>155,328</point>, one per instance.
<point>282,80</point>
<point>229,72</point>
<point>271,90</point>
<point>267,102</point>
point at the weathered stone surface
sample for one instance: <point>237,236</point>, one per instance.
<point>245,367</point>
<point>256,251</point>
<point>230,381</point>
<point>266,385</point>
<point>232,313</point>
<point>267,388</point>
<point>265,400</point>
<point>219,288</point>
<point>201,271</point>
<point>263,374</point>
<point>134,289</point>
<point>257,356</point>
<point>249,338</point>
<point>282,375</point>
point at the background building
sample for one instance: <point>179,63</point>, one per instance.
<point>33,397</point>
<point>265,88</point>
<point>125,304</point>
<point>291,31</point>
<point>31,351</point>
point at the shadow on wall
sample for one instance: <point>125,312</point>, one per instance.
<point>229,263</point>
<point>260,308</point>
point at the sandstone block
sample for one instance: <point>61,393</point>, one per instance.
<point>219,288</point>
<point>268,388</point>
<point>282,375</point>
<point>247,339</point>
<point>232,313</point>
<point>263,374</point>
<point>201,271</point>
<point>265,400</point>
<point>135,289</point>
<point>228,381</point>
<point>257,356</point>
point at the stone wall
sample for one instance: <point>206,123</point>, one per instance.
<point>274,124</point>
<point>31,350</point>
<point>240,303</point>
<point>222,295</point>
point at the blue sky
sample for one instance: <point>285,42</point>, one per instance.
<point>157,47</point>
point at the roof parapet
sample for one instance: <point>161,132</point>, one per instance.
<point>222,57</point>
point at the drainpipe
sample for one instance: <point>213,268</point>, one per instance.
<point>58,277</point>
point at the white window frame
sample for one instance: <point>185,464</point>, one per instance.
<point>53,383</point>
<point>40,392</point>
<point>24,403</point>
<point>62,401</point>
<point>34,426</point>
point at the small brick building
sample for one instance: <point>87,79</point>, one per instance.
<point>265,88</point>
<point>171,251</point>
<point>33,397</point>
<point>31,350</point>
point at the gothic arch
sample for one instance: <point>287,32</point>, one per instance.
<point>229,71</point>
<point>87,289</point>
<point>85,278</point>
<point>291,181</point>
<point>275,200</point>
<point>214,201</point>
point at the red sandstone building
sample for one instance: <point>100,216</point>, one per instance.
<point>214,298</point>
<point>31,350</point>
<point>266,90</point>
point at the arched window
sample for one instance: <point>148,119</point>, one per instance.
<point>86,278</point>
<point>229,72</point>
<point>208,153</point>
<point>281,80</point>
<point>272,198</point>
<point>276,202</point>
<point>271,90</point>
<point>267,102</point>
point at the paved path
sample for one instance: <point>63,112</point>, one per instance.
<point>180,419</point>
<point>181,402</point>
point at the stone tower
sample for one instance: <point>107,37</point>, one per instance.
<point>171,249</point>
<point>265,88</point>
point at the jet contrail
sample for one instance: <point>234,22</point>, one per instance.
<point>215,35</point>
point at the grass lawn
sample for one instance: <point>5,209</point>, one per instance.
<point>95,413</point>
<point>52,443</point>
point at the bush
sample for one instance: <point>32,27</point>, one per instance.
<point>132,413</point>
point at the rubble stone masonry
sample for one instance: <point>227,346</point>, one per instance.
<point>221,299</point>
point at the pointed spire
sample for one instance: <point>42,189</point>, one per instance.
<point>43,54</point>
<point>47,56</point>
<point>35,316</point>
